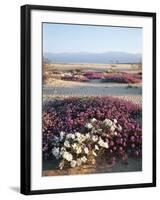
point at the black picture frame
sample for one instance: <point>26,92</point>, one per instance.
<point>26,98</point>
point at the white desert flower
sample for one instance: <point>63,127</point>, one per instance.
<point>89,126</point>
<point>96,147</point>
<point>61,165</point>
<point>74,146</point>
<point>105,145</point>
<point>62,133</point>
<point>86,151</point>
<point>119,128</point>
<point>95,138</point>
<point>67,144</point>
<point>73,136</point>
<point>78,150</point>
<point>73,163</point>
<point>81,138</point>
<point>77,134</point>
<point>84,159</point>
<point>87,136</point>
<point>93,120</point>
<point>94,153</point>
<point>115,121</point>
<point>108,122</point>
<point>63,149</point>
<point>115,133</point>
<point>55,152</point>
<point>100,142</point>
<point>112,128</point>
<point>67,156</point>
<point>70,136</point>
<point>68,74</point>
<point>79,162</point>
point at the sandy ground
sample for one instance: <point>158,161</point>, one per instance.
<point>132,166</point>
<point>62,88</point>
<point>93,66</point>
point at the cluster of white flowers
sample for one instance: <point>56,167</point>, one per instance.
<point>76,149</point>
<point>67,74</point>
<point>67,156</point>
<point>112,126</point>
<point>103,144</point>
<point>89,126</point>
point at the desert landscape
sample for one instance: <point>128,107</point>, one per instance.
<point>89,79</point>
<point>86,82</point>
<point>91,99</point>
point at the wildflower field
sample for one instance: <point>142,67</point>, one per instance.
<point>91,122</point>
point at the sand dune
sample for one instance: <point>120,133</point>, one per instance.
<point>70,88</point>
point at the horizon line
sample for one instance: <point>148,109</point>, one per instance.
<point>87,52</point>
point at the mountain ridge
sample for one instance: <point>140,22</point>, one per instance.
<point>87,57</point>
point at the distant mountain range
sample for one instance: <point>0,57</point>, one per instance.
<point>83,57</point>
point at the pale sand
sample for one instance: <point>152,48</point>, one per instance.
<point>92,66</point>
<point>134,164</point>
<point>60,88</point>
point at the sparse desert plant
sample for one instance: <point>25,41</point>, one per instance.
<point>78,71</point>
<point>113,65</point>
<point>131,86</point>
<point>79,78</point>
<point>72,71</point>
<point>56,72</point>
<point>109,71</point>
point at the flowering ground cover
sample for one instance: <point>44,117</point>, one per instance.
<point>80,78</point>
<point>78,131</point>
<point>93,75</point>
<point>122,78</point>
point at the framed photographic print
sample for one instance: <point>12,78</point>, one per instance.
<point>88,99</point>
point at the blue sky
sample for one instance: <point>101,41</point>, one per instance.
<point>60,38</point>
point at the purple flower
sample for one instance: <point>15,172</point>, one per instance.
<point>70,115</point>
